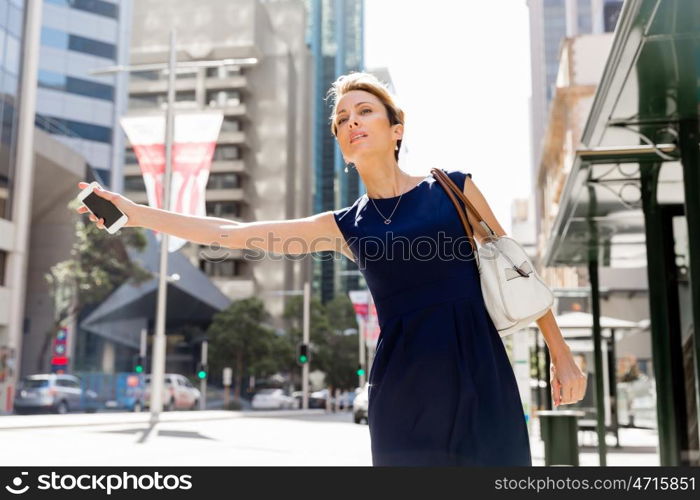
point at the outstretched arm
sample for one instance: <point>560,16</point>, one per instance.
<point>315,233</point>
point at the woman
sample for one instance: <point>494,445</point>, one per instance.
<point>442,390</point>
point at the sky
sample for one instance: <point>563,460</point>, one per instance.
<point>461,70</point>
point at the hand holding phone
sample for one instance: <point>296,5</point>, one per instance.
<point>103,207</point>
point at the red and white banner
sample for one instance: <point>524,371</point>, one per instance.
<point>366,314</point>
<point>194,142</point>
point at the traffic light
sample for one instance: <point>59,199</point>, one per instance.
<point>202,371</point>
<point>303,354</point>
<point>139,363</point>
<point>360,371</point>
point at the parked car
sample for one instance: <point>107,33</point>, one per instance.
<point>346,398</point>
<point>273,399</point>
<point>178,393</point>
<point>360,404</point>
<point>318,399</point>
<point>55,393</point>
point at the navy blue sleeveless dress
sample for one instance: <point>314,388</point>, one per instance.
<point>442,391</point>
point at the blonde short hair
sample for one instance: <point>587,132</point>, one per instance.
<point>369,83</point>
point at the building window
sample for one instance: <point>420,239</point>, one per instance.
<point>3,261</point>
<point>66,41</point>
<point>226,269</point>
<point>224,71</point>
<point>611,12</point>
<point>61,126</point>
<point>134,183</point>
<point>141,101</point>
<point>155,100</point>
<point>78,86</point>
<point>151,75</point>
<point>231,124</point>
<point>98,7</point>
<point>130,157</point>
<point>227,152</point>
<point>223,98</point>
<point>225,209</point>
<point>228,180</point>
<point>185,96</point>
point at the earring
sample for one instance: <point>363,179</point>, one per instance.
<point>396,148</point>
<point>346,166</point>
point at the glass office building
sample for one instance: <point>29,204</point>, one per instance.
<point>335,35</point>
<point>11,27</point>
<point>78,108</point>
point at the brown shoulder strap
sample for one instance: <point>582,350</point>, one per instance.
<point>451,188</point>
<point>460,194</point>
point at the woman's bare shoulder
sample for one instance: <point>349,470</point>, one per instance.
<point>329,226</point>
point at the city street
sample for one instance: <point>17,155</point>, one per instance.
<point>223,438</point>
<point>216,438</point>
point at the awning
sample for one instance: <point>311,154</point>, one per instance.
<point>650,82</point>
<point>193,298</point>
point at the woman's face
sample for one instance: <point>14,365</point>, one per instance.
<point>362,127</point>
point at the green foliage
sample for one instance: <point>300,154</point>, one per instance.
<point>99,263</point>
<point>238,338</point>
<point>332,352</point>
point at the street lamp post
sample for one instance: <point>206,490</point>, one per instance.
<point>158,364</point>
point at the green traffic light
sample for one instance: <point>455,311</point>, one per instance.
<point>202,374</point>
<point>303,359</point>
<point>360,372</point>
<point>138,369</point>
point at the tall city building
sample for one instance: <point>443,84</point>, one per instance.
<point>81,109</point>
<point>551,21</point>
<point>11,30</point>
<point>261,167</point>
<point>38,176</point>
<point>336,37</point>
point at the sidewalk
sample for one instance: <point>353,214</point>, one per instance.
<point>637,447</point>
<point>15,422</point>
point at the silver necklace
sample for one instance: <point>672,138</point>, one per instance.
<point>387,221</point>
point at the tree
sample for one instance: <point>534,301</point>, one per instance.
<point>99,263</point>
<point>318,328</point>
<point>239,338</point>
<point>333,352</point>
<point>338,356</point>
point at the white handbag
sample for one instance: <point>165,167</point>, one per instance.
<point>513,292</point>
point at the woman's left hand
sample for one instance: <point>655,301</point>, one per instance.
<point>567,380</point>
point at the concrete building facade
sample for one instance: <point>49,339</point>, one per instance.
<point>550,22</point>
<point>79,108</point>
<point>261,165</point>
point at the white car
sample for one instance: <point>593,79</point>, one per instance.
<point>178,393</point>
<point>360,404</point>
<point>273,399</point>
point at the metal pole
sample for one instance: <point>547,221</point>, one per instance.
<point>593,253</point>
<point>598,361</point>
<point>305,366</point>
<point>158,367</point>
<point>612,370</point>
<point>663,303</point>
<point>690,159</point>
<point>142,344</point>
<point>203,382</point>
<point>362,348</point>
